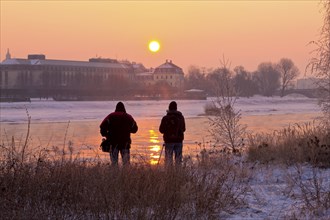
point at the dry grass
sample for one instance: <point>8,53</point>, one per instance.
<point>39,183</point>
<point>67,189</point>
<point>299,143</point>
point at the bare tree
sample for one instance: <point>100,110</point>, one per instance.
<point>320,63</point>
<point>221,83</point>
<point>244,85</point>
<point>288,72</point>
<point>225,126</point>
<point>195,79</point>
<point>267,78</point>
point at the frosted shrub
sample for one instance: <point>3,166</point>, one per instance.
<point>320,63</point>
<point>225,126</point>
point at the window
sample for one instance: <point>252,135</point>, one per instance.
<point>6,78</point>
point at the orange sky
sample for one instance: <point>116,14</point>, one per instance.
<point>190,32</point>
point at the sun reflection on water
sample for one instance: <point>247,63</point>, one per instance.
<point>154,147</point>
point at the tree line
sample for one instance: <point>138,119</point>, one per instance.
<point>266,80</point>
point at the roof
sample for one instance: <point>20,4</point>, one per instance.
<point>168,66</point>
<point>18,61</point>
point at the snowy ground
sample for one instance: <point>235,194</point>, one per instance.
<point>276,192</point>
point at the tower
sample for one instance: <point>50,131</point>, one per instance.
<point>8,56</point>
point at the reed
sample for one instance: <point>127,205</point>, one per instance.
<point>77,189</point>
<point>309,142</point>
<point>40,183</point>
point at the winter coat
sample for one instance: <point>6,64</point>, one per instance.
<point>117,128</point>
<point>166,128</point>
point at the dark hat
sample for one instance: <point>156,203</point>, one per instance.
<point>172,106</point>
<point>120,107</point>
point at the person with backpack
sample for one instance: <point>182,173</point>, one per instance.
<point>117,128</point>
<point>173,127</point>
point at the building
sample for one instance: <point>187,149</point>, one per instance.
<point>170,73</point>
<point>307,83</point>
<point>36,71</point>
<point>37,76</point>
<point>167,73</point>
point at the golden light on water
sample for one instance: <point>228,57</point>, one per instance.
<point>155,154</point>
<point>154,160</point>
<point>154,141</point>
<point>153,137</point>
<point>155,148</point>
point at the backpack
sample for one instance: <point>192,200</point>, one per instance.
<point>105,145</point>
<point>173,127</point>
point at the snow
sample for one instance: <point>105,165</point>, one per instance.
<point>296,95</point>
<point>274,194</point>
<point>53,111</point>
<point>194,90</point>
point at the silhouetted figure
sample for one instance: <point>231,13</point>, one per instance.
<point>173,127</point>
<point>117,128</point>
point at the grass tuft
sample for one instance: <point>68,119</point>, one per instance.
<point>296,144</point>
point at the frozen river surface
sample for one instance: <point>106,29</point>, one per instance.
<point>53,111</point>
<point>53,123</point>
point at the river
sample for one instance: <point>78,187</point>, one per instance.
<point>77,123</point>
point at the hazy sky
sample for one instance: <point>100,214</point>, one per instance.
<point>190,32</point>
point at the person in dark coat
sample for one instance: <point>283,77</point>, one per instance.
<point>173,127</point>
<point>117,128</point>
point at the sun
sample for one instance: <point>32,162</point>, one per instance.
<point>154,46</point>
